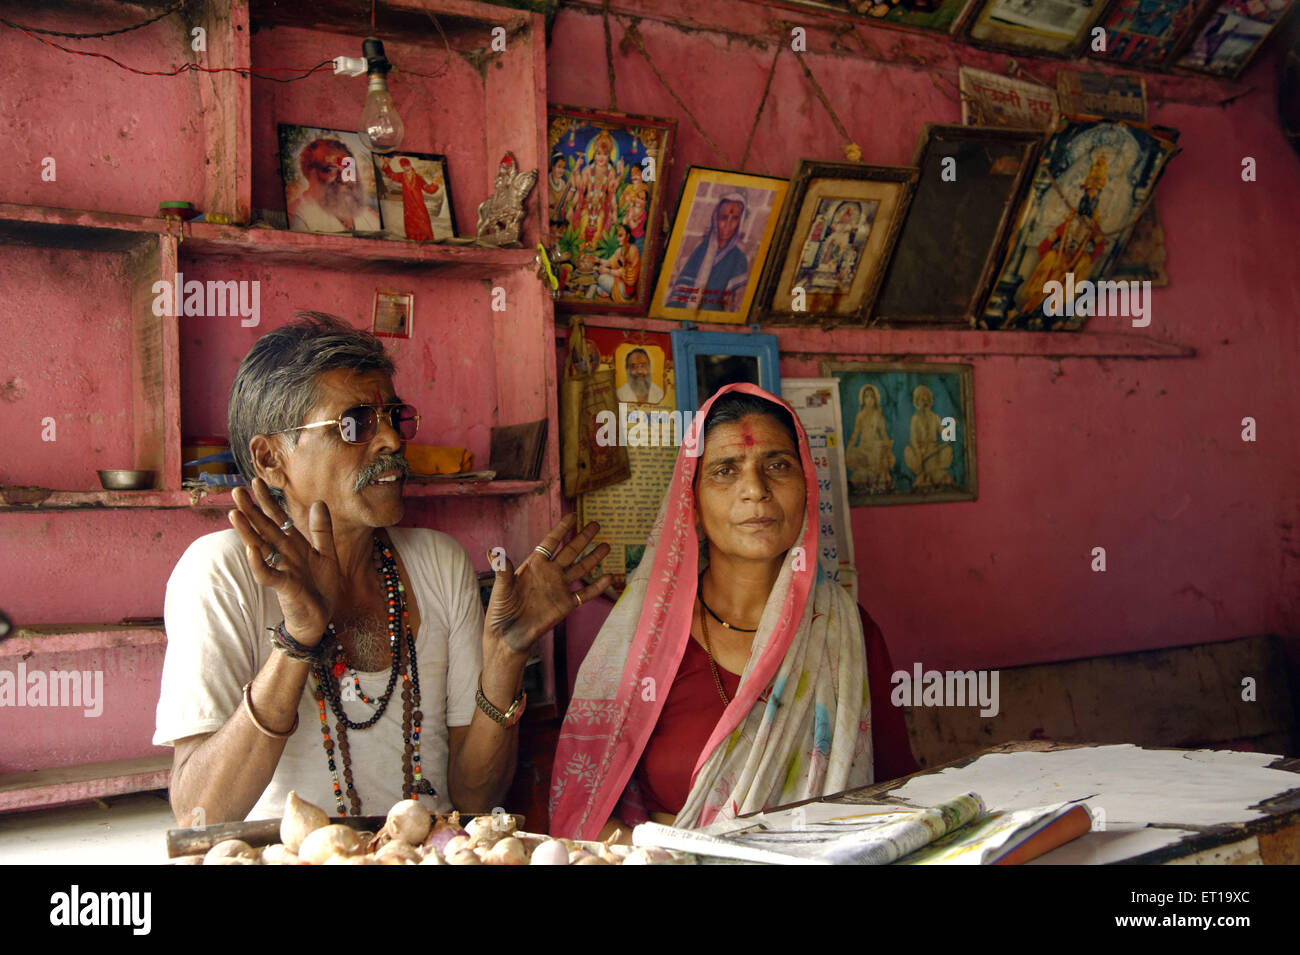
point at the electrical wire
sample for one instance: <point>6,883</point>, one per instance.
<point>95,36</point>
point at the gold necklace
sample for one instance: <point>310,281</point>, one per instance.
<point>717,680</point>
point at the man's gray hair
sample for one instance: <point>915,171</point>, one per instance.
<point>275,386</point>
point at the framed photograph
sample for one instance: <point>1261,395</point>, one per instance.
<point>393,313</point>
<point>1061,27</point>
<point>721,235</point>
<point>705,361</point>
<point>1108,95</point>
<point>1092,181</point>
<point>329,181</point>
<point>605,185</point>
<point>957,226</point>
<point>943,16</point>
<point>1228,35</point>
<point>911,431</point>
<point>1141,33</point>
<point>838,226</point>
<point>415,196</point>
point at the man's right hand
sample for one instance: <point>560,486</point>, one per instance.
<point>306,576</point>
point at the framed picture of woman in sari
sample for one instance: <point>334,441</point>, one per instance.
<point>604,186</point>
<point>720,238</point>
<point>833,241</point>
<point>1062,27</point>
<point>910,430</point>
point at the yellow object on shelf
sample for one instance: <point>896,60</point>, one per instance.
<point>429,459</point>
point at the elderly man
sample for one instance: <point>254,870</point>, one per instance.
<point>317,647</point>
<point>639,388</point>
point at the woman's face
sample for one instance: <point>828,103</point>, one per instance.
<point>750,491</point>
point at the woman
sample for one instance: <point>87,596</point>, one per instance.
<point>744,686</point>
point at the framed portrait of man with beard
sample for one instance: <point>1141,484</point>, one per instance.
<point>329,181</point>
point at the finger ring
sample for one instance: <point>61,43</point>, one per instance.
<point>286,525</point>
<point>543,551</point>
<point>578,597</point>
<point>272,558</point>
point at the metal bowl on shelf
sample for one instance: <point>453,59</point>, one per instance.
<point>126,479</point>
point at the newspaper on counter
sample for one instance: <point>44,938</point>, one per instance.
<point>957,831</point>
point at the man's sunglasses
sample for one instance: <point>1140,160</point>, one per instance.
<point>359,425</point>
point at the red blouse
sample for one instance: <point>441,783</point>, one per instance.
<point>693,708</point>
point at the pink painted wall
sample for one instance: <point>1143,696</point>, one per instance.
<point>1142,457</point>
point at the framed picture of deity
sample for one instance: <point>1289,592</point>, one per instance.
<point>833,241</point>
<point>1093,179</point>
<point>720,238</point>
<point>1227,36</point>
<point>1141,33</point>
<point>970,180</point>
<point>909,431</point>
<point>415,196</point>
<point>604,181</point>
<point>1061,27</point>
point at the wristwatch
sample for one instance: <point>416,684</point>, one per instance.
<point>507,719</point>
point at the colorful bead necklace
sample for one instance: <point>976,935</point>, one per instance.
<point>330,672</point>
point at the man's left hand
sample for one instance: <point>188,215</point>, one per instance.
<point>531,600</point>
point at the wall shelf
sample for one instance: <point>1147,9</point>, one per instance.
<point>25,642</point>
<point>808,341</point>
<point>44,499</point>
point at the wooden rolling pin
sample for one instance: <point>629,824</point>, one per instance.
<point>266,832</point>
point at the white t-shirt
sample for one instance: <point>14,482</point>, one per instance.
<point>217,618</point>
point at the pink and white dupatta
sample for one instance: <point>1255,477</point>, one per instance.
<point>799,725</point>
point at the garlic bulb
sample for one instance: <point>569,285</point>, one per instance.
<point>489,828</point>
<point>433,857</point>
<point>408,822</point>
<point>456,844</point>
<point>327,841</point>
<point>464,857</point>
<point>300,820</point>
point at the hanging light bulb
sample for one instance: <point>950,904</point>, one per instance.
<point>381,127</point>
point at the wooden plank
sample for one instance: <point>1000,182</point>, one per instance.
<point>844,343</point>
<point>226,98</point>
<point>26,642</point>
<point>44,499</point>
<point>1184,696</point>
<point>65,784</point>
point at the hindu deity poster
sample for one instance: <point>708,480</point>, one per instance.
<point>1092,181</point>
<point>604,184</point>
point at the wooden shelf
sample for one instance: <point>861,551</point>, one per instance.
<point>65,784</point>
<point>77,638</point>
<point>812,341</point>
<point>49,227</point>
<point>45,499</point>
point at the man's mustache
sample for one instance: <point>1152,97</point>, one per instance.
<point>381,464</point>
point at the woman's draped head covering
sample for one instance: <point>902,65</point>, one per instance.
<point>799,724</point>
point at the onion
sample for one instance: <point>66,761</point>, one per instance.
<point>577,855</point>
<point>433,857</point>
<point>481,828</point>
<point>464,857</point>
<point>408,821</point>
<point>456,844</point>
<point>443,831</point>
<point>507,851</point>
<point>300,820</point>
<point>591,860</point>
<point>398,853</point>
<point>551,852</point>
<point>648,855</point>
<point>279,854</point>
<point>230,848</point>
<point>327,841</point>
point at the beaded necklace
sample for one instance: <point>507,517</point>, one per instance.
<point>329,674</point>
